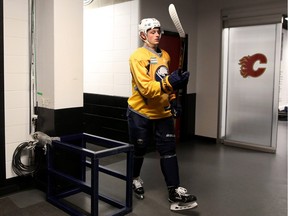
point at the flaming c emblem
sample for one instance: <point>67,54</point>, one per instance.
<point>247,63</point>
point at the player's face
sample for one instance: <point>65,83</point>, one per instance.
<point>153,36</point>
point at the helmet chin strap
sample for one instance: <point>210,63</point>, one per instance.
<point>148,43</point>
<point>145,40</point>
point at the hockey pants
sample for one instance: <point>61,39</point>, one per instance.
<point>142,132</point>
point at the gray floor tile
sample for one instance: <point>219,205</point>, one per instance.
<point>228,181</point>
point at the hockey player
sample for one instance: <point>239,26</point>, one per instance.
<point>151,109</point>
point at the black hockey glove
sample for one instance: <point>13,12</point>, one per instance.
<point>176,108</point>
<point>178,80</point>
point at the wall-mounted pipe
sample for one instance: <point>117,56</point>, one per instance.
<point>32,68</point>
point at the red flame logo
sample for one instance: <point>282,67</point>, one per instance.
<point>247,63</point>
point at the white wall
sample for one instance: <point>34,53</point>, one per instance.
<point>45,53</point>
<point>209,57</point>
<point>59,63</point>
<point>59,55</point>
<point>68,53</point>
<point>110,36</point>
<point>16,77</point>
<point>201,20</point>
<point>283,91</point>
<point>208,67</point>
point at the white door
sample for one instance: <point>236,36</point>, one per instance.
<point>250,86</point>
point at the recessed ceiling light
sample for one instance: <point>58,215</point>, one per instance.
<point>87,2</point>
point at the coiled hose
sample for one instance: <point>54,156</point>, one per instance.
<point>24,169</point>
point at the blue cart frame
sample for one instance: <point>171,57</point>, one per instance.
<point>80,185</point>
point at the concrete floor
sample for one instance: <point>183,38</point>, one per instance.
<point>227,181</point>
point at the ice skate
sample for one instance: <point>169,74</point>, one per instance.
<point>180,199</point>
<point>138,188</point>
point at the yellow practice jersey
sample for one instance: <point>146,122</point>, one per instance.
<point>148,68</point>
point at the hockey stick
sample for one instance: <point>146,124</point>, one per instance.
<point>181,32</point>
<point>174,16</point>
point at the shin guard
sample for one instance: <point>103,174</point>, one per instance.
<point>170,170</point>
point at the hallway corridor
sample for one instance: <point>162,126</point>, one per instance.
<point>228,181</point>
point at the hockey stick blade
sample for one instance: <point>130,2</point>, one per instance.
<point>176,20</point>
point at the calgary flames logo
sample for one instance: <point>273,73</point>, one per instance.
<point>247,65</point>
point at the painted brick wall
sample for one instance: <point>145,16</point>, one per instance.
<point>16,77</point>
<point>110,36</point>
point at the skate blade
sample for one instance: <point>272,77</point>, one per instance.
<point>139,196</point>
<point>178,206</point>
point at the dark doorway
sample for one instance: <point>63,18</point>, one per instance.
<point>171,42</point>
